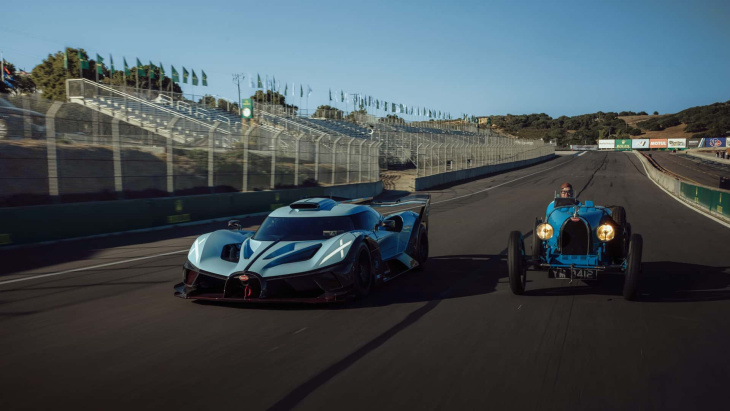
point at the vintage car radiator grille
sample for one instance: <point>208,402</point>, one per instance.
<point>575,238</point>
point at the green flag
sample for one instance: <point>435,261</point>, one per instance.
<point>126,67</point>
<point>151,71</point>
<point>185,75</point>
<point>83,61</point>
<point>195,78</point>
<point>330,94</point>
<point>175,75</point>
<point>111,63</point>
<point>301,91</point>
<point>65,58</point>
<point>377,104</point>
<point>392,107</point>
<point>162,71</point>
<point>286,89</point>
<point>205,78</point>
<point>99,62</point>
<point>258,83</point>
<point>140,69</point>
<point>342,96</point>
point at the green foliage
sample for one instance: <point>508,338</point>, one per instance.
<point>656,113</point>
<point>392,119</point>
<point>586,128</point>
<point>634,131</point>
<point>643,113</point>
<point>208,101</point>
<point>714,118</point>
<point>326,111</point>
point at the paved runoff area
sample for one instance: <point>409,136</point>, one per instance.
<point>93,324</point>
<point>705,171</point>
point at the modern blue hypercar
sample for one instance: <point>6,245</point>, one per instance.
<point>314,250</point>
<point>578,241</point>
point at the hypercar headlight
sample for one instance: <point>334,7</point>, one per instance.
<point>545,231</point>
<point>605,232</point>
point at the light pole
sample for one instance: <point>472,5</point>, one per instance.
<point>237,79</point>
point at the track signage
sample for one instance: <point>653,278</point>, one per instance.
<point>247,108</point>
<point>623,144</point>
<point>715,142</point>
<point>677,143</point>
<point>658,143</point>
<point>606,144</point>
<point>640,143</point>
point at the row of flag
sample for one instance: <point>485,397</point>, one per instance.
<point>138,69</point>
<point>358,100</point>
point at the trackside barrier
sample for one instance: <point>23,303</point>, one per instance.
<point>424,183</point>
<point>713,201</point>
<point>27,225</point>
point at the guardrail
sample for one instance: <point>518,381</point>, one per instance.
<point>713,201</point>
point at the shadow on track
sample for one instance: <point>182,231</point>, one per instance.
<point>443,277</point>
<point>663,281</point>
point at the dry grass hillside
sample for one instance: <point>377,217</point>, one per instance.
<point>669,132</point>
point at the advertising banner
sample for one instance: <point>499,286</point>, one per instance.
<point>677,143</point>
<point>624,144</point>
<point>640,143</point>
<point>715,142</point>
<point>606,144</point>
<point>584,147</point>
<point>695,142</point>
<point>658,143</point>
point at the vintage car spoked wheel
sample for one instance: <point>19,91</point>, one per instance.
<point>633,267</point>
<point>516,263</point>
<point>362,273</point>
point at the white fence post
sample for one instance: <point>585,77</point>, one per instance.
<point>51,153</point>
<point>211,148</point>
<point>117,158</point>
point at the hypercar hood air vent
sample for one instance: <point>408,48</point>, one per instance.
<point>314,204</point>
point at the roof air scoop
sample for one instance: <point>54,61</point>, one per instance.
<point>313,204</point>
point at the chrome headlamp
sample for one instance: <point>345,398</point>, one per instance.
<point>605,232</point>
<point>545,231</point>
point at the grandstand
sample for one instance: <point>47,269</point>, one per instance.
<point>193,124</point>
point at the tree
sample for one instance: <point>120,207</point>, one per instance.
<point>329,112</point>
<point>15,82</point>
<point>208,101</point>
<point>50,76</point>
<point>392,119</point>
<point>656,113</point>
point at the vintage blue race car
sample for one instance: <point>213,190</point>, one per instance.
<point>314,250</point>
<point>578,241</point>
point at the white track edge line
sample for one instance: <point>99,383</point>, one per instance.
<point>693,208</point>
<point>17,280</point>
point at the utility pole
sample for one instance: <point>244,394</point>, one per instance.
<point>237,79</point>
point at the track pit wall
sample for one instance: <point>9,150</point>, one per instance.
<point>34,224</point>
<point>425,183</point>
<point>712,201</point>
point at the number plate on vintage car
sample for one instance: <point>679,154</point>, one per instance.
<point>567,273</point>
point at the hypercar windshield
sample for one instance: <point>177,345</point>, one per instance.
<point>310,228</point>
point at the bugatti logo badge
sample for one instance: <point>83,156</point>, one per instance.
<point>243,278</point>
<point>715,142</point>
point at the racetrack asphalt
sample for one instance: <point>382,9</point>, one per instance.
<point>449,337</point>
<point>692,169</point>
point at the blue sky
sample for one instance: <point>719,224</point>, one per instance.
<point>473,57</point>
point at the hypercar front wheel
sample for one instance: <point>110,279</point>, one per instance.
<point>516,263</point>
<point>362,273</point>
<point>422,252</point>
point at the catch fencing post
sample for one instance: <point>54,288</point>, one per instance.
<point>316,157</point>
<point>272,183</point>
<point>117,158</point>
<point>359,177</point>
<point>349,143</point>
<point>211,147</point>
<point>245,140</point>
<point>296,159</point>
<point>51,153</point>
<point>170,149</point>
<point>334,159</point>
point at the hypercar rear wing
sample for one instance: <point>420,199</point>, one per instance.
<point>422,201</point>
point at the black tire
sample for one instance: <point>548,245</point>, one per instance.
<point>537,247</point>
<point>422,249</point>
<point>633,267</point>
<point>362,269</point>
<point>516,263</point>
<point>618,214</point>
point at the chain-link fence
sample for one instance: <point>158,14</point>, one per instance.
<point>96,147</point>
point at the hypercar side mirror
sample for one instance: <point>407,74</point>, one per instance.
<point>234,225</point>
<point>388,224</point>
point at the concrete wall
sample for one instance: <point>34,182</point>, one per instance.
<point>24,225</point>
<point>424,183</point>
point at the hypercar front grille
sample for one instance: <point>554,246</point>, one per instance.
<point>574,238</point>
<point>209,282</point>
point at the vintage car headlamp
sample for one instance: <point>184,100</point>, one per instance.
<point>605,232</point>
<point>545,231</point>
